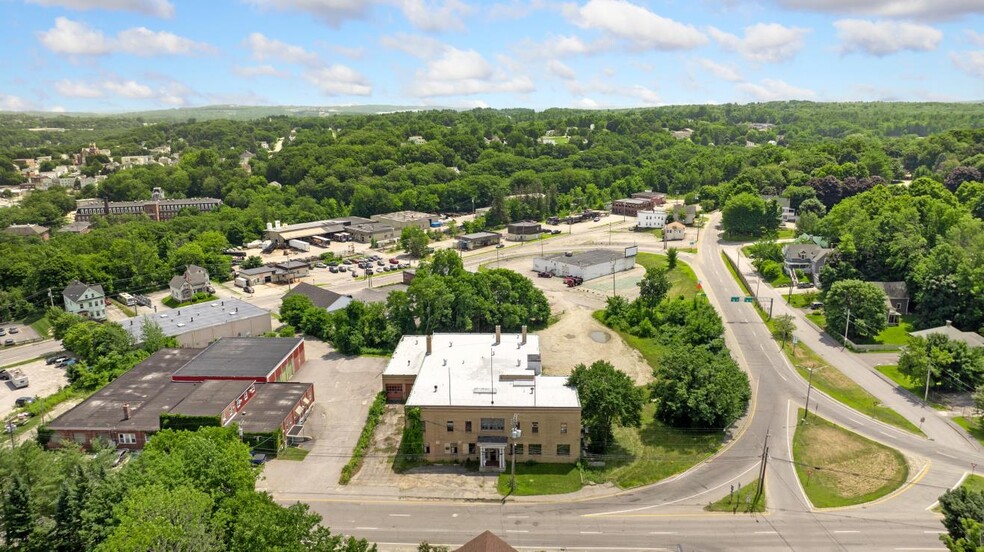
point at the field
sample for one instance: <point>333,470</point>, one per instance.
<point>541,479</point>
<point>682,277</point>
<point>972,426</point>
<point>838,467</point>
<point>903,381</point>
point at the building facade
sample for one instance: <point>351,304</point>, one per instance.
<point>200,324</point>
<point>155,209</point>
<point>194,280</point>
<point>587,265</point>
<point>88,301</point>
<point>477,240</point>
<point>629,206</point>
<point>651,219</point>
<point>380,232</point>
<point>523,231</point>
<point>674,231</point>
<point>402,219</point>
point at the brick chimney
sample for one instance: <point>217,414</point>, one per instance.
<point>126,411</point>
<point>523,342</point>
<point>430,343</point>
<point>498,334</point>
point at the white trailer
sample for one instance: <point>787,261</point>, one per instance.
<point>18,378</point>
<point>241,282</point>
<point>299,245</point>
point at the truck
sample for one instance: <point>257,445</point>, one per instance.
<point>18,378</point>
<point>299,245</point>
<point>241,282</point>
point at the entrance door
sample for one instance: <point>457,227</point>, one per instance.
<point>492,458</point>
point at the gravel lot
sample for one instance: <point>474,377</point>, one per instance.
<point>45,380</point>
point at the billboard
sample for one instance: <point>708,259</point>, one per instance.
<point>631,251</point>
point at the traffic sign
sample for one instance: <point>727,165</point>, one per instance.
<point>735,299</point>
<point>749,299</point>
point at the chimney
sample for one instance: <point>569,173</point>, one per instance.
<point>523,342</point>
<point>949,322</point>
<point>126,411</point>
<point>430,339</point>
<point>498,334</point>
<point>106,206</point>
<point>276,224</point>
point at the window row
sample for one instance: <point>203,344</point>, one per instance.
<point>499,424</point>
<point>533,449</point>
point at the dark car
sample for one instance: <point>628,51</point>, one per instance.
<point>258,458</point>
<point>555,232</point>
<point>23,401</point>
<point>56,360</point>
<point>369,272</point>
<point>333,269</point>
<point>3,331</point>
<point>4,376</point>
<point>8,342</point>
<point>121,456</point>
<point>500,245</point>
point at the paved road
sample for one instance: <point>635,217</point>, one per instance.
<point>11,355</point>
<point>667,515</point>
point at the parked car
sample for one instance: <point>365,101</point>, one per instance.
<point>21,402</point>
<point>355,274</point>
<point>4,375</point>
<point>248,289</point>
<point>555,231</point>
<point>816,305</point>
<point>67,362</point>
<point>805,284</point>
<point>258,458</point>
<point>320,265</point>
<point>394,261</point>
<point>369,272</point>
<point>333,269</point>
<point>347,262</point>
<point>500,245</point>
<point>3,331</point>
<point>56,360</point>
<point>8,342</point>
<point>342,268</point>
<point>596,219</point>
<point>545,275</point>
<point>14,330</point>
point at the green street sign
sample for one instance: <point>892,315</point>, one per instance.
<point>735,299</point>
<point>749,299</point>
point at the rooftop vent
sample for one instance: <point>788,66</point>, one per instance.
<point>435,389</point>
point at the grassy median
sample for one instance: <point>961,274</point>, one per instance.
<point>838,467</point>
<point>745,500</point>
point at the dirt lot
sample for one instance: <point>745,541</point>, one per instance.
<point>45,380</point>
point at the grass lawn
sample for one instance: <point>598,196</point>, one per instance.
<point>123,308</point>
<point>743,500</point>
<point>40,324</point>
<point>972,426</point>
<point>803,300</point>
<point>833,382</point>
<point>293,453</point>
<point>891,335</point>
<point>734,273</point>
<point>903,381</point>
<point>786,233</point>
<point>682,277</point>
<point>973,483</point>
<point>541,479</point>
<point>838,467</point>
<point>818,318</point>
<point>652,452</point>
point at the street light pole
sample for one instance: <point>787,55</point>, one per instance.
<point>516,434</point>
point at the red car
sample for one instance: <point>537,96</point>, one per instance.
<point>394,261</point>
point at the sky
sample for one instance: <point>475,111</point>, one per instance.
<point>128,55</point>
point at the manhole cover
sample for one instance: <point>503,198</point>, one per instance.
<point>600,337</point>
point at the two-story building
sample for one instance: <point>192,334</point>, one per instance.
<point>474,389</point>
<point>194,280</point>
<point>85,300</point>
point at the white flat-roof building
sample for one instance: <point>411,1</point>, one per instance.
<point>470,386</point>
<point>200,324</point>
<point>651,219</point>
<point>588,265</point>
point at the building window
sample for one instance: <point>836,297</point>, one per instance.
<point>518,449</point>
<point>452,448</point>
<point>468,426</point>
<point>563,450</point>
<point>394,389</point>
<point>563,428</point>
<point>493,424</point>
<point>536,450</point>
<point>535,427</point>
<point>127,439</point>
<point>427,449</point>
<point>471,449</point>
<point>450,426</point>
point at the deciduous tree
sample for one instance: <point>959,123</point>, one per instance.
<point>608,396</point>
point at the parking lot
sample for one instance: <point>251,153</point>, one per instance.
<point>344,387</point>
<point>15,334</point>
<point>45,380</point>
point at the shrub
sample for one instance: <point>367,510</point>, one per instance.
<point>365,439</point>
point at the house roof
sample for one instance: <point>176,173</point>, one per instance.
<point>800,251</point>
<point>26,229</point>
<point>196,275</point>
<point>479,236</point>
<point>321,297</point>
<point>180,321</point>
<point>292,264</point>
<point>239,357</point>
<point>77,289</point>
<point>77,227</point>
<point>257,271</point>
<point>894,290</point>
<point>486,542</point>
<point>970,338</point>
<point>676,226</point>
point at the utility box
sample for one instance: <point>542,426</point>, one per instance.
<point>18,378</point>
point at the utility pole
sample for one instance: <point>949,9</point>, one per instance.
<point>516,434</point>
<point>613,280</point>
<point>765,462</point>
<point>929,372</point>
<point>10,430</point>
<point>809,388</point>
<point>847,324</point>
<point>51,300</point>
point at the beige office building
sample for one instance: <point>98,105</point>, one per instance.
<point>471,387</point>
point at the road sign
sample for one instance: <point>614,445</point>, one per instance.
<point>749,299</point>
<point>735,299</point>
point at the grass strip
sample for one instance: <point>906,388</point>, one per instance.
<point>838,467</point>
<point>294,454</point>
<point>745,499</point>
<point>541,479</point>
<point>905,382</point>
<point>972,426</point>
<point>365,439</point>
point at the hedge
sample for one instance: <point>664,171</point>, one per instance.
<point>412,444</point>
<point>365,439</point>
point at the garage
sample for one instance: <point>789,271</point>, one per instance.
<point>588,265</point>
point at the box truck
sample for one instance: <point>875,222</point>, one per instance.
<point>299,245</point>
<point>18,378</point>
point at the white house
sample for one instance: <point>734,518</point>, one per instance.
<point>85,300</point>
<point>194,280</point>
<point>674,231</point>
<point>651,219</point>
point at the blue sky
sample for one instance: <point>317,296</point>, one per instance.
<point>124,55</point>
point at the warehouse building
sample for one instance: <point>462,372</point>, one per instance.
<point>468,387</point>
<point>523,231</point>
<point>631,205</point>
<point>334,229</point>
<point>402,219</point>
<point>588,264</point>
<point>141,402</point>
<point>198,325</point>
<point>478,239</point>
<point>246,358</point>
<point>378,231</point>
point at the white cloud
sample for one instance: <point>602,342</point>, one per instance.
<point>774,90</point>
<point>13,103</point>
<point>339,80</point>
<point>971,63</point>
<point>457,64</point>
<point>465,72</point>
<point>264,48</point>
<point>57,109</point>
<point>720,71</point>
<point>975,37</point>
<point>560,70</point>
<point>641,28</point>
<point>74,39</point>
<point>585,103</point>
<point>927,9</point>
<point>435,16</point>
<point>332,12</point>
<point>259,71</point>
<point>156,8</point>
<point>763,42</point>
<point>78,39</point>
<point>78,89</point>
<point>880,38</point>
<point>514,9</point>
<point>645,95</point>
<point>353,53</point>
<point>416,45</point>
<point>129,89</point>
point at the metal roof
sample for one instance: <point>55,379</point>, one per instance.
<point>480,236</point>
<point>240,357</point>
<point>270,405</point>
<point>588,258</point>
<point>182,320</point>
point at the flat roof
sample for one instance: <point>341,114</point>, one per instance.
<point>524,223</point>
<point>371,227</point>
<point>270,405</point>
<point>240,357</point>
<point>633,200</point>
<point>146,387</point>
<point>588,258</point>
<point>470,370</point>
<point>209,397</point>
<point>182,320</point>
<point>404,216</point>
<point>480,235</point>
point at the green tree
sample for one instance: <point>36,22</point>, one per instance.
<point>746,214</point>
<point>293,308</point>
<point>253,261</point>
<point>863,300</point>
<point>18,518</point>
<point>653,287</point>
<point>783,327</point>
<point>154,339</point>
<point>158,518</point>
<point>608,396</point>
<point>961,504</point>
<point>671,258</point>
<point>694,387</point>
<point>952,365</point>
<point>414,241</point>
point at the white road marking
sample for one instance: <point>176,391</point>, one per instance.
<point>913,549</point>
<point>368,528</point>
<point>855,421</point>
<point>782,376</point>
<point>883,433</point>
<point>590,532</point>
<point>516,531</point>
<point>399,515</point>
<point>847,531</point>
<point>517,517</point>
<point>934,532</point>
<point>765,532</point>
<point>663,533</point>
<point>948,456</point>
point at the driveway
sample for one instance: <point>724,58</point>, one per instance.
<point>344,388</point>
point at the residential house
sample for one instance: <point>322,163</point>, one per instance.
<point>807,257</point>
<point>85,300</point>
<point>29,231</point>
<point>651,219</point>
<point>474,389</point>
<point>486,542</point>
<point>321,297</point>
<point>896,300</point>
<point>674,231</point>
<point>194,280</point>
<point>787,214</point>
<point>970,338</point>
<point>288,271</point>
